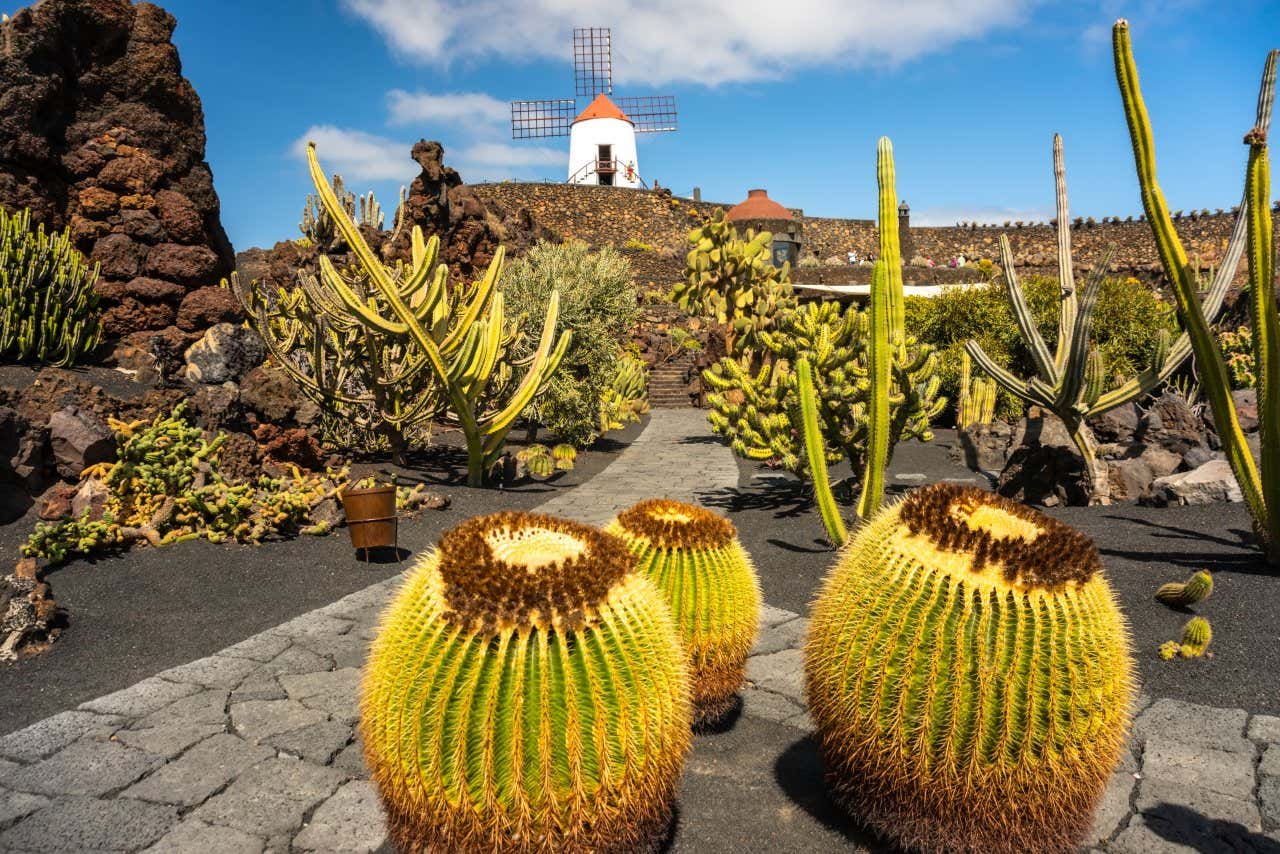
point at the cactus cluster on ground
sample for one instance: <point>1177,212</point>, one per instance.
<point>696,560</point>
<point>527,692</point>
<point>166,486</point>
<point>48,307</point>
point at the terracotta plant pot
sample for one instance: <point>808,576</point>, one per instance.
<point>371,517</point>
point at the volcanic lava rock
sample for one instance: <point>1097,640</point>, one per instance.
<point>100,131</point>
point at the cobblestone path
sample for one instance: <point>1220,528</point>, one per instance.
<point>254,748</point>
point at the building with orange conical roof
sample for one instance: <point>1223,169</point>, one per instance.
<point>602,146</point>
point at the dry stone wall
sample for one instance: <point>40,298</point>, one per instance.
<point>614,216</point>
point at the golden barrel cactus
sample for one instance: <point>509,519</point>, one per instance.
<point>694,557</point>
<point>969,673</point>
<point>526,692</point>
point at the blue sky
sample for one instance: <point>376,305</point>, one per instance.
<point>789,96</point>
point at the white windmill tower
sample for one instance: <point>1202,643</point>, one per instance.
<point>602,137</point>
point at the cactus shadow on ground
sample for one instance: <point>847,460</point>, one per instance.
<point>801,774</point>
<point>1193,831</point>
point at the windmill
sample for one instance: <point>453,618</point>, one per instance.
<point>602,137</point>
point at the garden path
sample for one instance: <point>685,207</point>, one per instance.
<point>254,748</point>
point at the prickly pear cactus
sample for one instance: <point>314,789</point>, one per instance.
<point>969,674</point>
<point>694,557</point>
<point>527,692</point>
<point>732,280</point>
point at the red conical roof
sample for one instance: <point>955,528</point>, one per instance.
<point>602,108</point>
<point>758,205</point>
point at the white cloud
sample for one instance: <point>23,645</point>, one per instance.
<point>998,216</point>
<point>706,41</point>
<point>358,156</point>
<point>511,156</point>
<point>473,110</point>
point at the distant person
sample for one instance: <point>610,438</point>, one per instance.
<point>853,258</point>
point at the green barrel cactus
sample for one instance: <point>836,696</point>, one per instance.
<point>969,674</point>
<point>1196,635</point>
<point>694,557</point>
<point>526,692</point>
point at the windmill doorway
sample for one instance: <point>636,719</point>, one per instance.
<point>604,165</point>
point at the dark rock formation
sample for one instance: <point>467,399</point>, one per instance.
<point>100,131</point>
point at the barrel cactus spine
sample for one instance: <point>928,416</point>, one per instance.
<point>526,692</point>
<point>696,560</point>
<point>969,674</point>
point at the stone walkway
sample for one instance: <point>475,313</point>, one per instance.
<point>254,748</point>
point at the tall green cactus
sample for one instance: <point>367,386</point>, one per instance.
<point>901,384</point>
<point>48,307</point>
<point>460,338</point>
<point>1261,491</point>
<point>1071,381</point>
<point>977,404</point>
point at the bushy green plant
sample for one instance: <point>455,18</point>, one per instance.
<point>48,307</point>
<point>638,245</point>
<point>598,302</point>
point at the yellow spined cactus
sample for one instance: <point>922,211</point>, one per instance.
<point>526,692</point>
<point>969,673</point>
<point>1196,635</point>
<point>694,557</point>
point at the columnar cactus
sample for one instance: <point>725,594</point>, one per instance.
<point>48,307</point>
<point>1253,227</point>
<point>527,692</point>
<point>1071,381</point>
<point>694,557</point>
<point>977,403</point>
<point>969,674</point>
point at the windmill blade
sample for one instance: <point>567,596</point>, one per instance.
<point>542,119</point>
<point>650,113</point>
<point>592,61</point>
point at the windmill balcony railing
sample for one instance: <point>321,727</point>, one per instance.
<point>607,166</point>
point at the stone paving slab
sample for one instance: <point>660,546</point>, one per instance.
<point>255,748</point>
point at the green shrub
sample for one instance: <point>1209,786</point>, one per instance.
<point>638,245</point>
<point>1126,320</point>
<point>598,301</point>
<point>50,309</point>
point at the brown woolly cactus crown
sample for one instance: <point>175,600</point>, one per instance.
<point>527,569</point>
<point>980,533</point>
<point>675,525</point>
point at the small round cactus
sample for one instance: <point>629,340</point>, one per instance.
<point>564,453</point>
<point>1180,594</point>
<point>526,692</point>
<point>694,557</point>
<point>969,674</point>
<point>1196,635</point>
<point>540,467</point>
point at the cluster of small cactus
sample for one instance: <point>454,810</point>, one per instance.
<point>166,486</point>
<point>401,346</point>
<point>696,560</point>
<point>1196,634</point>
<point>1259,483</point>
<point>943,726</point>
<point>1237,350</point>
<point>733,281</point>
<point>527,692</point>
<point>977,404</point>
<point>48,307</point>
<point>365,211</point>
<point>758,411</point>
<point>627,396</point>
<point>540,462</point>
